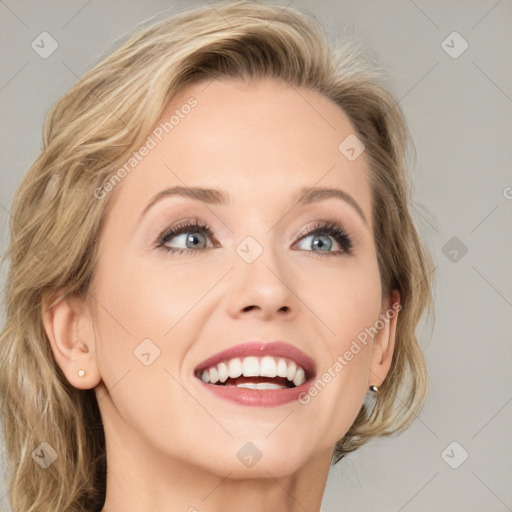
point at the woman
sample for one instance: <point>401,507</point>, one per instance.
<point>214,277</point>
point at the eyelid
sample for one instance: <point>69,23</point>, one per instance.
<point>334,229</point>
<point>193,224</point>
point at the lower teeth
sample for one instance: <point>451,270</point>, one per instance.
<point>260,385</point>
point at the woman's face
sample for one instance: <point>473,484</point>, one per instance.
<point>268,267</point>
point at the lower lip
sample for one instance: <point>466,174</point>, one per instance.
<point>257,397</point>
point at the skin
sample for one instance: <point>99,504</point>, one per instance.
<point>170,444</point>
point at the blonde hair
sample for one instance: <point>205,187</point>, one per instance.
<point>57,221</point>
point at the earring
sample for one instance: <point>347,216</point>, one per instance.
<point>81,372</point>
<point>370,399</point>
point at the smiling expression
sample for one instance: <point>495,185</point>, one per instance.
<point>244,224</point>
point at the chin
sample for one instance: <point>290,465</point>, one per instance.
<point>258,457</point>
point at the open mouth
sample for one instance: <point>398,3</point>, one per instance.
<point>251,372</point>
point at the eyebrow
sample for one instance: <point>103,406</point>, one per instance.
<point>212,196</point>
<point>312,195</point>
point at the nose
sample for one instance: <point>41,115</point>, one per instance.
<point>263,289</point>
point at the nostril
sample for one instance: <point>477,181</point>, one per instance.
<point>249,308</point>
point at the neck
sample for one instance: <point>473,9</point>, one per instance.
<point>141,478</point>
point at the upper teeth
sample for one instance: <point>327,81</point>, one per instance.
<point>253,366</point>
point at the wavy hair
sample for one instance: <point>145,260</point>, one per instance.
<point>57,220</point>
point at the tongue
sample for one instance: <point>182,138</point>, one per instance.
<point>256,380</point>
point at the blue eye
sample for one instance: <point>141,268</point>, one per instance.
<point>191,233</point>
<point>324,243</point>
<point>196,236</point>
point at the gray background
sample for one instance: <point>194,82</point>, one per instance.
<point>459,112</point>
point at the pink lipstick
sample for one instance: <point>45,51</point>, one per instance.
<point>257,373</point>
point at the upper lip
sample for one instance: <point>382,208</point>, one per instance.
<point>260,349</point>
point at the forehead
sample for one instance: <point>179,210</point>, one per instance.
<point>258,142</point>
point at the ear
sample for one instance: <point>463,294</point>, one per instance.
<point>69,327</point>
<point>384,341</point>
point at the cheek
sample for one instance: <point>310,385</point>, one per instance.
<point>148,301</point>
<point>140,326</point>
<point>346,299</point>
<point>349,303</point>
<point>358,307</point>
<point>148,308</point>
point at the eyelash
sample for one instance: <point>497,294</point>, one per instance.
<point>324,228</point>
